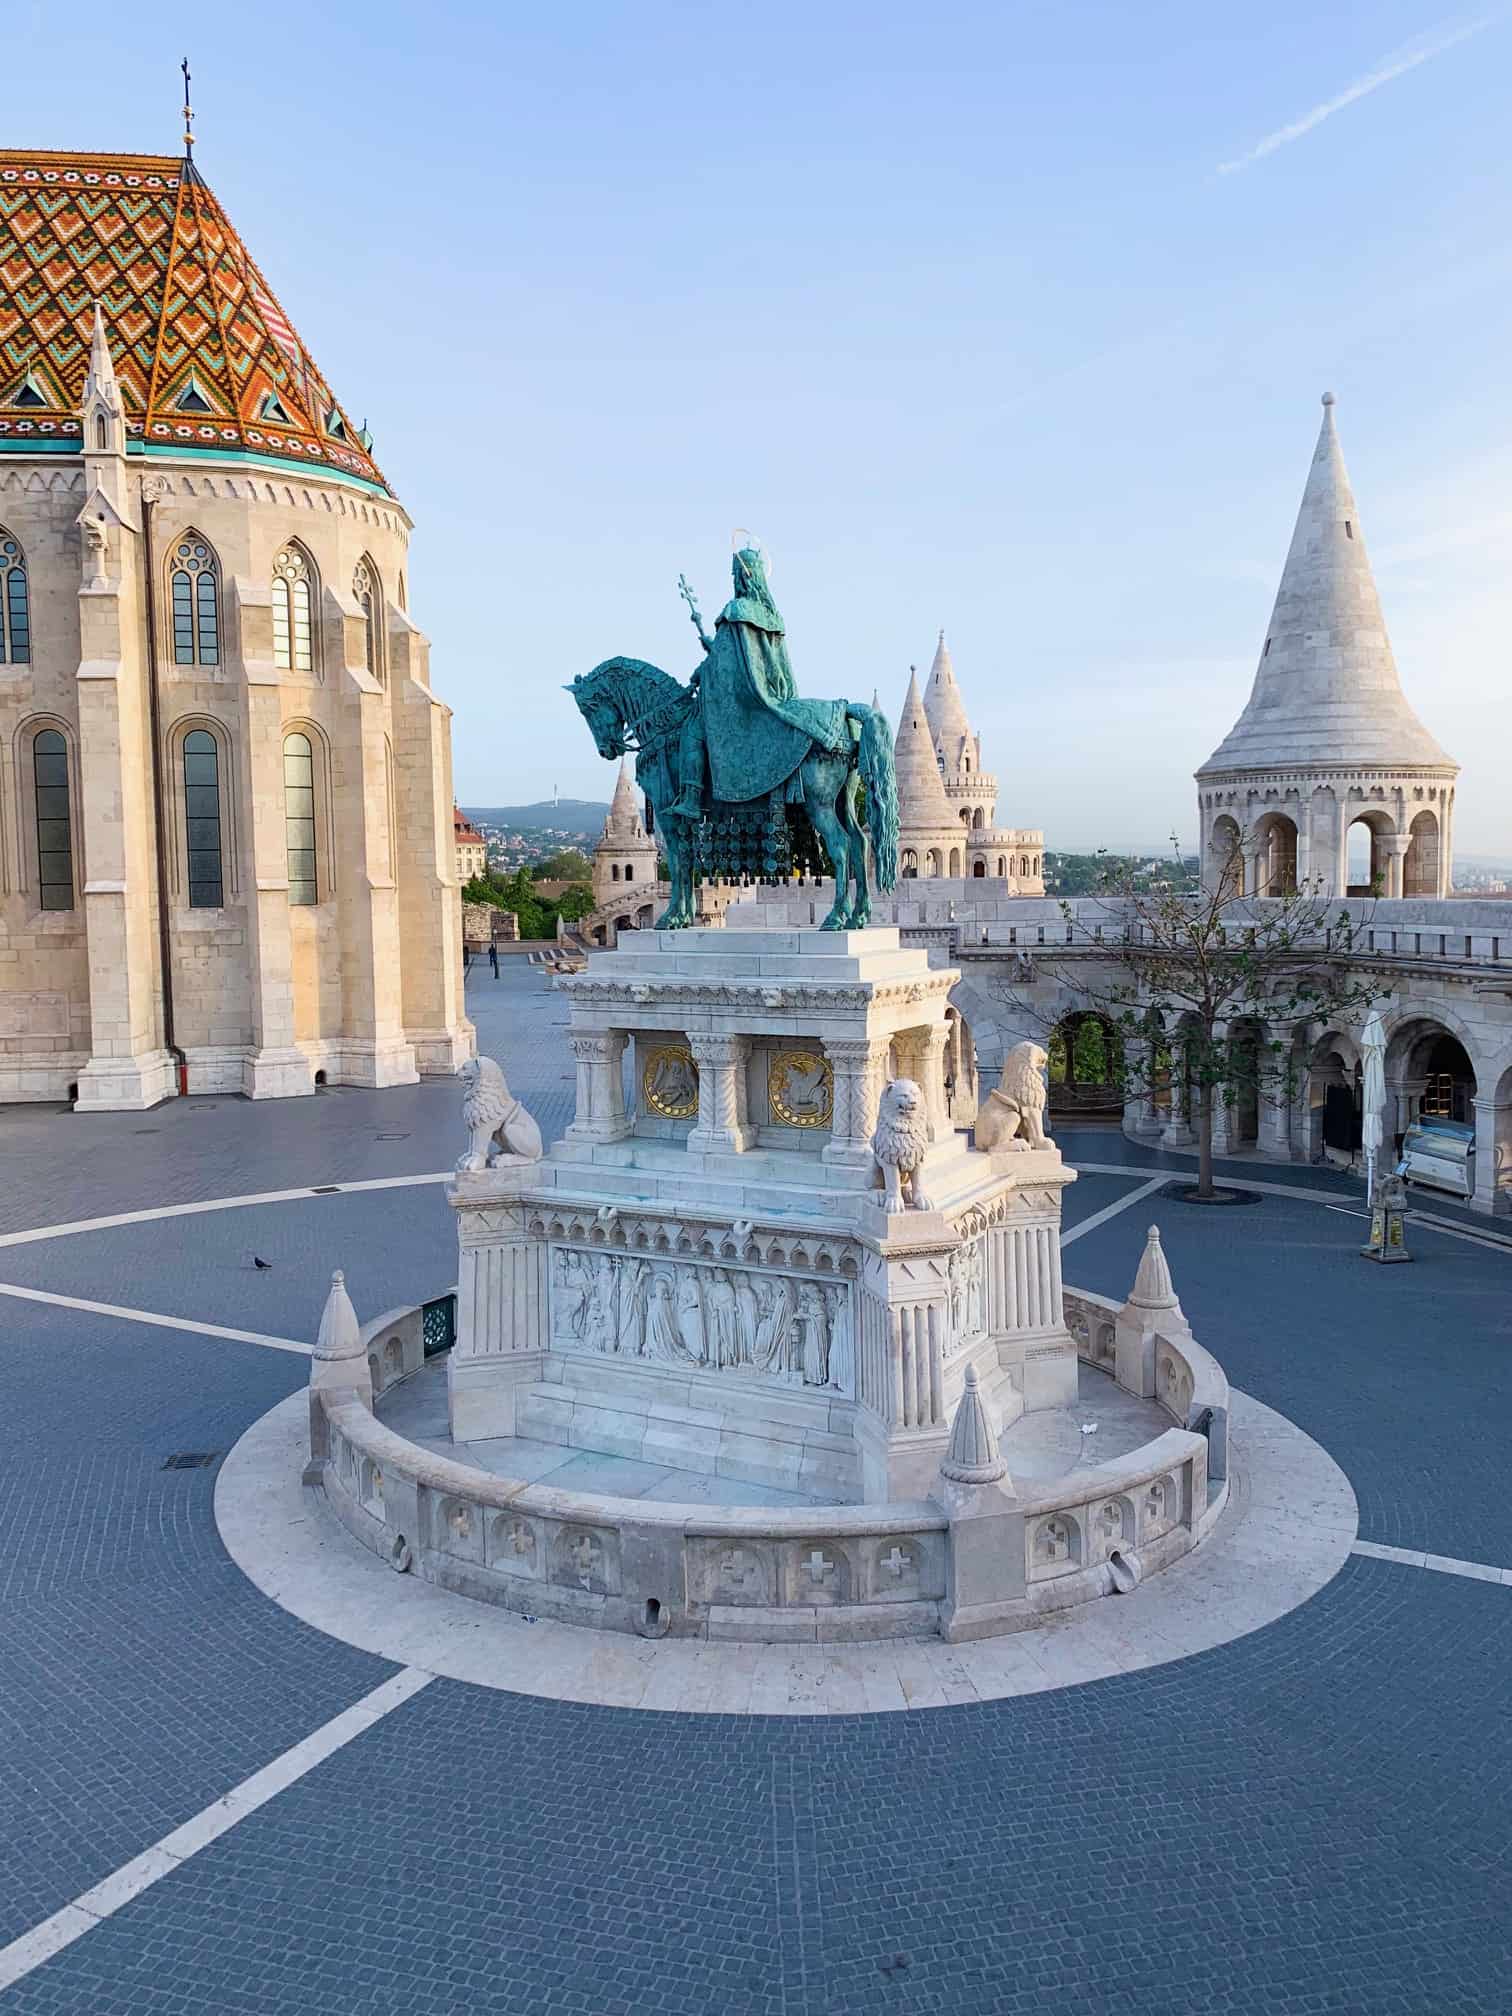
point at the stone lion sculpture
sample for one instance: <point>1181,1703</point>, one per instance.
<point>497,1124</point>
<point>900,1144</point>
<point>1013,1114</point>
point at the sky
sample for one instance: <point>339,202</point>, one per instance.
<point>1008,318</point>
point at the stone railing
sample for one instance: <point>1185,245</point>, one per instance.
<point>1189,1382</point>
<point>800,1574</point>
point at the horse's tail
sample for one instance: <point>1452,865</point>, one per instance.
<point>881,781</point>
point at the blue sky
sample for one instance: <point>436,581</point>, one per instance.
<point>968,311</point>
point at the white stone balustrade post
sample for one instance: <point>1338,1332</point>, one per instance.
<point>722,1126</point>
<point>858,1065</point>
<point>601,1114</point>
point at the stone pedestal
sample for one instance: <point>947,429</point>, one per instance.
<point>707,1276</point>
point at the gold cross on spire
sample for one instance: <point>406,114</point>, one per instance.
<point>188,114</point>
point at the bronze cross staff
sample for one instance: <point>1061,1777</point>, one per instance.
<point>188,114</point>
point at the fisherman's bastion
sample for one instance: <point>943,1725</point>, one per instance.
<point>703,1468</point>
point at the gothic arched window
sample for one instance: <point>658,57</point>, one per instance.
<point>202,819</point>
<point>15,604</point>
<point>55,877</point>
<point>299,817</point>
<point>293,628</point>
<point>195,597</point>
<point>370,601</point>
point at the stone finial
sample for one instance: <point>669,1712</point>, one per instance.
<point>339,1335</point>
<point>1152,1284</point>
<point>971,1456</point>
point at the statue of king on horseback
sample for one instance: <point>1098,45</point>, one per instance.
<point>747,781</point>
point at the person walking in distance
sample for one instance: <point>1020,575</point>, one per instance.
<point>493,958</point>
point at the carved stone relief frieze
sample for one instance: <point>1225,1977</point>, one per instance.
<point>715,1318</point>
<point>967,1276</point>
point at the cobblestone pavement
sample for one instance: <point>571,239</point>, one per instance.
<point>1312,1818</point>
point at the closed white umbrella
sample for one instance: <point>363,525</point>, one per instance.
<point>1373,1122</point>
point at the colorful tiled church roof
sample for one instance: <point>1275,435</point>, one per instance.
<point>206,358</point>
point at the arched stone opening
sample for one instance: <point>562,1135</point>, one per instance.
<point>1086,1064</point>
<point>1236,1104</point>
<point>1002,866</point>
<point>977,820</point>
<point>1225,858</point>
<point>979,868</point>
<point>1420,869</point>
<point>1430,1075</point>
<point>960,1070</point>
<point>932,862</point>
<point>1275,855</point>
<point>910,862</point>
<point>1334,1097</point>
<point>1367,854</point>
<point>955,861</point>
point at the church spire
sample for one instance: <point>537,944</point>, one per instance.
<point>1326,689</point>
<point>103,418</point>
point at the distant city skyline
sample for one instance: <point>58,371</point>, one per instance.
<point>1011,323</point>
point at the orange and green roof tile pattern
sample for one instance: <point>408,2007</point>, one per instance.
<point>205,357</point>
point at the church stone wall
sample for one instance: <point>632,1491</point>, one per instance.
<point>364,985</point>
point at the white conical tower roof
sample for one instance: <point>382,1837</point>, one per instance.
<point>972,1457</point>
<point>922,801</point>
<point>624,821</point>
<point>1327,690</point>
<point>1153,1287</point>
<point>945,710</point>
<point>339,1336</point>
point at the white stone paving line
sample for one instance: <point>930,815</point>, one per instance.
<point>1112,1210</point>
<point>1331,1198</point>
<point>22,1956</point>
<point>1287,1532</point>
<point>1441,1564</point>
<point>40,1232</point>
<point>155,1321</point>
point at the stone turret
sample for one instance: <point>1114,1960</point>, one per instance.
<point>1327,737</point>
<point>930,832</point>
<point>1152,1311</point>
<point>947,799</point>
<point>626,852</point>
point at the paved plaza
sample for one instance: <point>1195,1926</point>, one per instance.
<point>208,1804</point>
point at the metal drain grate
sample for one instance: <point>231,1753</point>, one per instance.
<point>192,1459</point>
<point>325,1190</point>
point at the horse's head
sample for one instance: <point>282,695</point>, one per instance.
<point>600,706</point>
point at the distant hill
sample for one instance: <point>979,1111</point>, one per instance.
<point>571,815</point>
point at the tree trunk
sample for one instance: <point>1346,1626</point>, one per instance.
<point>1205,1140</point>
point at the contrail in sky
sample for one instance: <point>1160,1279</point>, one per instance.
<point>1423,50</point>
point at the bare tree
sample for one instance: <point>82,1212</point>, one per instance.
<point>1188,964</point>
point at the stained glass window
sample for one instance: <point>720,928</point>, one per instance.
<point>293,627</point>
<point>55,879</point>
<point>370,601</point>
<point>195,603</point>
<point>299,817</point>
<point>202,819</point>
<point>15,603</point>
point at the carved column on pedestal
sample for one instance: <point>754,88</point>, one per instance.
<point>601,1114</point>
<point>1273,1122</point>
<point>722,1125</point>
<point>859,1065</point>
<point>921,1056</point>
<point>1178,1128</point>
